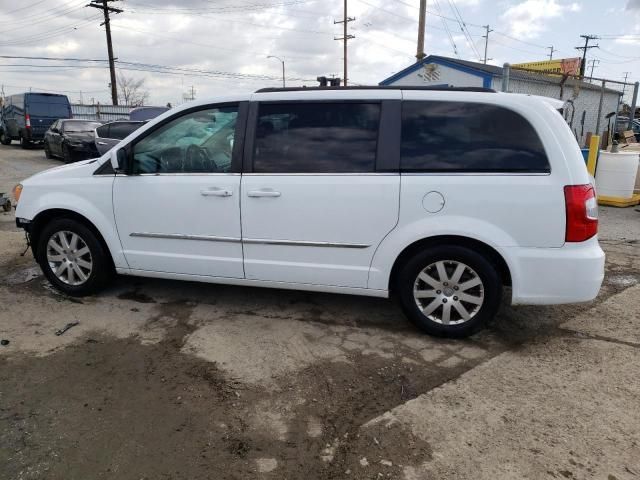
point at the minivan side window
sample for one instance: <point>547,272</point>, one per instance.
<point>196,142</point>
<point>316,137</point>
<point>468,137</point>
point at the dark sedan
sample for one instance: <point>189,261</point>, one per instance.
<point>72,140</point>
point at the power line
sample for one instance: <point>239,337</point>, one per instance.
<point>63,30</point>
<point>446,27</point>
<point>25,7</point>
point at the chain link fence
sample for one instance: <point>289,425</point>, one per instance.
<point>593,106</point>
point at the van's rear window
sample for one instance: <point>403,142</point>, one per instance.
<point>468,137</point>
<point>53,110</point>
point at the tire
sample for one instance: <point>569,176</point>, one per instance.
<point>47,150</point>
<point>5,139</point>
<point>94,264</point>
<point>66,154</point>
<point>25,144</point>
<point>442,291</point>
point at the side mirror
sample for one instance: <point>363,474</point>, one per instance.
<point>55,130</point>
<point>119,160</point>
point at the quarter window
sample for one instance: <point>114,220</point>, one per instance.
<point>120,130</point>
<point>468,137</point>
<point>103,131</point>
<point>196,142</point>
<point>316,138</point>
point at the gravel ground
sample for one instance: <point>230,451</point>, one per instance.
<point>178,380</point>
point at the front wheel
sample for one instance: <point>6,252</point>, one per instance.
<point>72,258</point>
<point>5,139</point>
<point>47,150</point>
<point>449,291</point>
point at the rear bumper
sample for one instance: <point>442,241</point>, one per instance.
<point>570,274</point>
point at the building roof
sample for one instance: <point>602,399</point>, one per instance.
<point>488,71</point>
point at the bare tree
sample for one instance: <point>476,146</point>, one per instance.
<point>132,92</point>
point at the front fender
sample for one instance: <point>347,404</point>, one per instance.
<point>399,239</point>
<point>93,202</point>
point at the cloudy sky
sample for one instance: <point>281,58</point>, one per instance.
<point>221,46</point>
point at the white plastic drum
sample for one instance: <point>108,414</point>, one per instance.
<point>616,174</point>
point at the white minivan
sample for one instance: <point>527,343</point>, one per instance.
<point>438,196</point>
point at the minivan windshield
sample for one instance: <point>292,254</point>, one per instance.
<point>79,126</point>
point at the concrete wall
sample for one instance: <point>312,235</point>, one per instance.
<point>432,74</point>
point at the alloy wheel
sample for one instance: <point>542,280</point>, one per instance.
<point>448,292</point>
<point>69,258</point>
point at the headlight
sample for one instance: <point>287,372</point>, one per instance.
<point>17,191</point>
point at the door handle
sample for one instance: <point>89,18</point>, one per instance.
<point>263,193</point>
<point>215,192</point>
<point>102,143</point>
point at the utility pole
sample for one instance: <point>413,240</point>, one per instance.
<point>106,9</point>
<point>624,85</point>
<point>551,50</point>
<point>345,19</point>
<point>486,42</point>
<point>583,63</point>
<point>421,26</point>
<point>594,63</point>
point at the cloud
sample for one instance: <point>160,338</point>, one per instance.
<point>529,18</point>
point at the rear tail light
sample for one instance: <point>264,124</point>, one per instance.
<point>27,121</point>
<point>582,212</point>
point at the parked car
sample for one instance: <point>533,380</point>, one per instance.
<point>109,135</point>
<point>71,140</point>
<point>27,116</point>
<point>146,113</point>
<point>439,196</point>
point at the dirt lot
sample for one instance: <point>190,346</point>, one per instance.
<point>170,380</point>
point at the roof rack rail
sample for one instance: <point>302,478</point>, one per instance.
<point>377,87</point>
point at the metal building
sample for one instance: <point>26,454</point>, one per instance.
<point>583,98</point>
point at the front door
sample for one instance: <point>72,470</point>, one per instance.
<point>315,206</point>
<point>178,209</point>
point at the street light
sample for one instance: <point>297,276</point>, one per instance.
<point>282,61</point>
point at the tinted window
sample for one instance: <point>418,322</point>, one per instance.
<point>71,126</point>
<point>196,142</point>
<point>470,137</point>
<point>316,138</point>
<point>42,105</point>
<point>103,131</point>
<point>120,130</point>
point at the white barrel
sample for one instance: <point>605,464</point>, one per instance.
<point>616,174</point>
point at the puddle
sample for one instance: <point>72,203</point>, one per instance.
<point>24,275</point>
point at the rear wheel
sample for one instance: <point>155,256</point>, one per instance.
<point>24,143</point>
<point>449,291</point>
<point>72,257</point>
<point>5,139</point>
